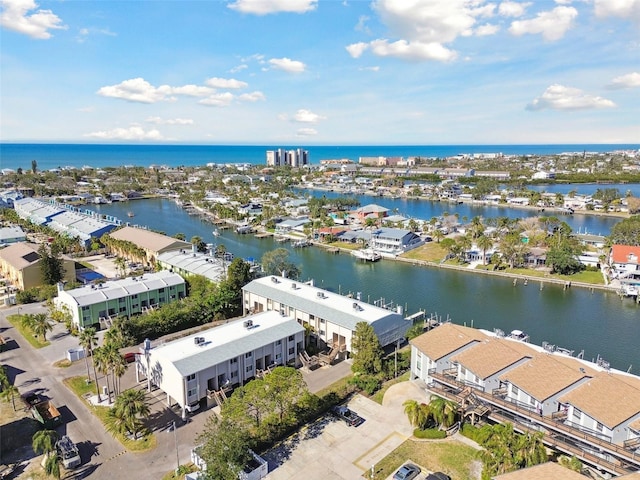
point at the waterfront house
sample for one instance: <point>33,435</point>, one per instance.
<point>12,235</point>
<point>331,317</point>
<point>291,225</point>
<point>20,265</point>
<point>152,243</point>
<point>393,241</point>
<point>607,406</point>
<point>97,305</point>
<point>376,212</point>
<point>482,365</point>
<point>432,352</point>
<point>624,259</point>
<point>194,369</point>
<point>538,384</point>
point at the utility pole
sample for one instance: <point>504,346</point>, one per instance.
<point>175,438</point>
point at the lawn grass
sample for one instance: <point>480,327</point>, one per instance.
<point>584,276</point>
<point>379,395</point>
<point>80,387</point>
<point>342,388</point>
<point>345,245</point>
<point>429,252</point>
<point>26,332</point>
<point>184,469</point>
<point>451,457</point>
<point>64,363</point>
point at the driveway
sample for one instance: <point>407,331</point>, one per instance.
<point>329,448</point>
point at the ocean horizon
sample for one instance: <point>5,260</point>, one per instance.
<point>60,155</point>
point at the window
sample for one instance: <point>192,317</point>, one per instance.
<point>123,309</point>
<point>191,377</point>
<point>600,427</point>
<point>291,350</point>
<point>112,311</point>
<point>85,308</point>
<point>122,300</point>
<point>532,400</point>
<point>248,355</point>
<point>249,368</point>
<point>321,333</point>
<point>192,392</point>
<point>135,295</point>
<point>161,290</point>
<point>463,371</point>
<point>279,342</point>
<point>234,374</point>
<point>291,338</point>
<point>278,356</point>
<point>322,320</point>
<point>577,414</point>
<point>515,390</point>
<point>233,360</point>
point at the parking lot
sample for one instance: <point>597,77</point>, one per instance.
<point>329,448</point>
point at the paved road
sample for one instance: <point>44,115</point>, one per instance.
<point>104,457</point>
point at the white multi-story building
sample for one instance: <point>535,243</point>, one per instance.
<point>192,370</point>
<point>291,158</point>
<point>332,317</point>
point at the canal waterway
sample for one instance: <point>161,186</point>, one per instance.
<point>600,323</point>
<point>426,209</point>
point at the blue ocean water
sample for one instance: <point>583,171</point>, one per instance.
<point>20,155</point>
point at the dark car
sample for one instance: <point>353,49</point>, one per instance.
<point>407,472</point>
<point>350,417</point>
<point>438,476</point>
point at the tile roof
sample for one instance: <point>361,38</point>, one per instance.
<point>149,240</point>
<point>597,396</point>
<point>493,355</point>
<point>446,339</point>
<point>544,471</point>
<point>545,375</point>
<point>625,254</point>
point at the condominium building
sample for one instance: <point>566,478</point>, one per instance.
<point>20,265</point>
<point>331,317</point>
<point>291,158</point>
<point>96,305</point>
<point>197,369</point>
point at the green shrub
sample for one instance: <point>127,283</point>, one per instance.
<point>430,434</point>
<point>366,383</point>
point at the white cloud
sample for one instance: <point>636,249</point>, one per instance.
<point>139,90</point>
<point>288,65</point>
<point>486,29</point>
<point>630,80</point>
<point>357,49</point>
<point>412,50</point>
<point>170,121</point>
<point>306,132</point>
<point>217,100</point>
<point>86,109</point>
<point>252,97</point>
<point>361,26</point>
<point>559,97</point>
<point>422,29</point>
<point>307,116</point>
<point>134,132</point>
<point>216,82</point>
<point>513,9</point>
<point>15,16</point>
<point>264,7</point>
<point>239,68</point>
<point>618,8</point>
<point>552,24</point>
<point>371,69</point>
<point>85,32</point>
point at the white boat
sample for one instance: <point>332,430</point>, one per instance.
<point>300,244</point>
<point>630,290</point>
<point>244,229</point>
<point>216,233</point>
<point>519,335</point>
<point>366,255</point>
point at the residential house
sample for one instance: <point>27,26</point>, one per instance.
<point>292,225</point>
<point>624,259</point>
<point>97,305</point>
<point>373,211</point>
<point>194,369</point>
<point>394,241</point>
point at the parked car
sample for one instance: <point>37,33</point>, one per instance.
<point>350,417</point>
<point>438,476</point>
<point>407,472</point>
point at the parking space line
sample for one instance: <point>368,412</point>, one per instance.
<point>377,453</point>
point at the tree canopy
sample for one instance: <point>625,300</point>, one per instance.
<point>277,261</point>
<point>626,232</point>
<point>367,352</point>
<point>51,264</point>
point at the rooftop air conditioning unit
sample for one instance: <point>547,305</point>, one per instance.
<point>355,306</point>
<point>274,279</point>
<point>293,285</point>
<point>248,323</point>
<point>320,295</point>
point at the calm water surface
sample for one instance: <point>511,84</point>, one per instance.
<point>599,323</point>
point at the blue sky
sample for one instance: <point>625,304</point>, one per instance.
<point>308,72</point>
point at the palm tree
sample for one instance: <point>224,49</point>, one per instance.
<point>88,340</point>
<point>418,413</point>
<point>484,243</point>
<point>444,411</point>
<point>438,235</point>
<point>465,245</point>
<point>101,362</point>
<point>40,324</point>
<point>128,411</point>
<point>44,441</point>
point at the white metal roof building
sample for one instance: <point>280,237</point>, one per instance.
<point>191,368</point>
<point>187,262</point>
<point>332,317</point>
<point>96,305</point>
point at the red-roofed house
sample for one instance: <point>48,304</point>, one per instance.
<point>625,258</point>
